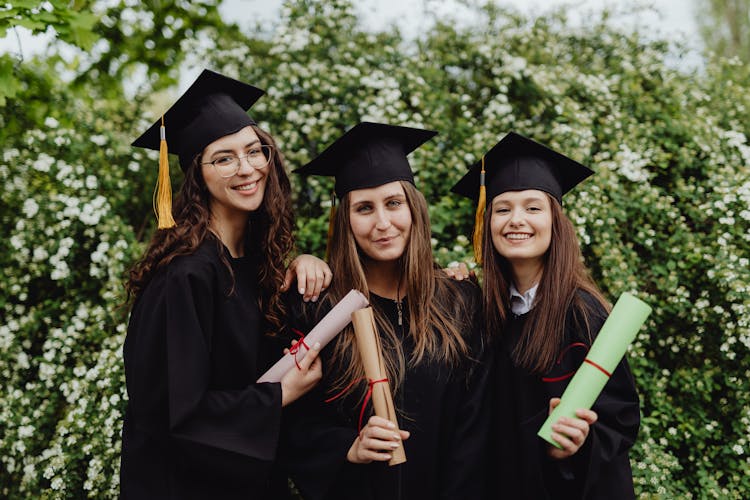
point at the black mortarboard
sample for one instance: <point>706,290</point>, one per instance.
<point>213,106</point>
<point>368,155</point>
<point>517,163</point>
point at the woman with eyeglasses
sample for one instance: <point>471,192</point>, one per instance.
<point>206,299</point>
<point>429,327</point>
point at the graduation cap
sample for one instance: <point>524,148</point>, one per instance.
<point>517,163</point>
<point>368,155</point>
<point>212,107</point>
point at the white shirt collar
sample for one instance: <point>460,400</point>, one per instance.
<point>522,303</point>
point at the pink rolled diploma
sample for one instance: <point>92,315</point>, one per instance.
<point>606,352</point>
<point>326,329</point>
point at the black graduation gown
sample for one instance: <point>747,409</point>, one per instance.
<point>445,410</point>
<point>601,468</point>
<point>196,424</point>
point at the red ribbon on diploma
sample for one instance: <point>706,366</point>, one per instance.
<point>368,395</point>
<point>295,348</point>
<point>587,360</point>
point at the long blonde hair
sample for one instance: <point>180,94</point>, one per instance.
<point>436,307</point>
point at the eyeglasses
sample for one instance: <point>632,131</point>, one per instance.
<point>228,165</point>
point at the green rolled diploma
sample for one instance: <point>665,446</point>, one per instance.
<point>608,349</point>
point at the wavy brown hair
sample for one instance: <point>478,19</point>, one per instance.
<point>435,304</point>
<point>269,234</point>
<point>563,275</point>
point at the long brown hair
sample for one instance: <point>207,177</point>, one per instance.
<point>563,275</point>
<point>269,233</point>
<point>435,305</point>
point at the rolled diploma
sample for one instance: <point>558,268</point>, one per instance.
<point>326,329</point>
<point>608,349</point>
<point>368,342</point>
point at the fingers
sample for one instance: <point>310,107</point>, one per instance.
<point>553,404</point>
<point>288,277</point>
<point>378,439</point>
<point>313,276</point>
<point>453,272</point>
<point>314,284</point>
<point>570,433</point>
<point>588,415</point>
<point>376,421</point>
<point>464,270</point>
<point>457,271</point>
<point>310,357</point>
<point>359,453</point>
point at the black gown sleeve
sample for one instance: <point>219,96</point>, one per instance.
<point>243,421</point>
<point>601,467</point>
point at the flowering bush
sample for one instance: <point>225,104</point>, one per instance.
<point>667,216</point>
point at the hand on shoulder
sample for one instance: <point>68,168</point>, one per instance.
<point>311,274</point>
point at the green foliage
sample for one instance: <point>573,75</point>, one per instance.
<point>724,26</point>
<point>70,20</point>
<point>667,214</point>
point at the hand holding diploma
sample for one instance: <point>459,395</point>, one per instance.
<point>606,352</point>
<point>382,431</point>
<point>297,382</point>
<point>325,331</point>
<point>569,433</point>
<point>376,441</point>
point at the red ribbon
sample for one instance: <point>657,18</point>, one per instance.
<point>587,360</point>
<point>559,359</point>
<point>368,395</point>
<point>296,347</point>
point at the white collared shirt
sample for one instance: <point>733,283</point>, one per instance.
<point>522,303</point>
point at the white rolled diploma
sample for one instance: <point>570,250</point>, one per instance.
<point>326,330</point>
<point>371,352</point>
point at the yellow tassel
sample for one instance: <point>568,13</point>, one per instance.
<point>479,218</point>
<point>331,215</point>
<point>163,190</point>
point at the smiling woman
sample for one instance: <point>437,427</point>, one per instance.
<point>521,228</point>
<point>380,221</point>
<point>206,301</point>
<point>538,294</point>
<point>235,181</point>
<point>428,326</point>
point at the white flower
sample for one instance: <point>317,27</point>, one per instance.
<point>30,208</point>
<point>40,254</point>
<point>49,121</point>
<point>99,140</point>
<point>43,162</point>
<point>26,431</point>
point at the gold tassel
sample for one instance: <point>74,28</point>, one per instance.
<point>479,218</point>
<point>163,190</point>
<point>331,215</point>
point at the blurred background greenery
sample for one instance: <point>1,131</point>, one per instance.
<point>667,215</point>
